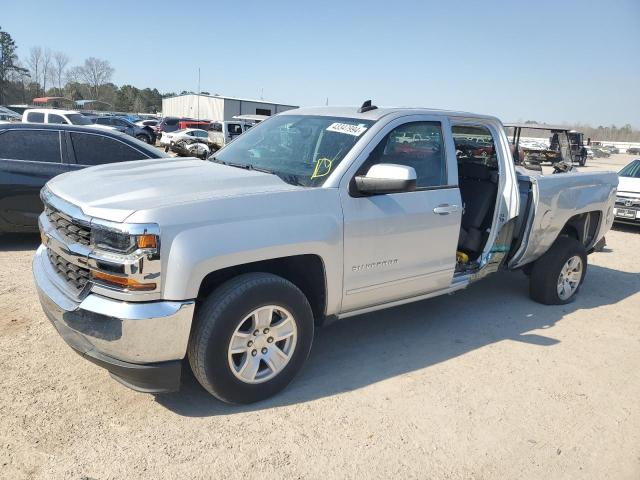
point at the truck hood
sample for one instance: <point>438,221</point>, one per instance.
<point>630,185</point>
<point>115,191</point>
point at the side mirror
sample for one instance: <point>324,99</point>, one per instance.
<point>386,178</point>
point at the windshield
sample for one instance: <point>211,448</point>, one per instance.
<point>300,149</point>
<point>77,119</point>
<point>632,170</point>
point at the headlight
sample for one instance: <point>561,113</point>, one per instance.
<point>124,242</point>
<point>111,240</point>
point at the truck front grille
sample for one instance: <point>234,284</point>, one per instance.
<point>77,277</point>
<point>74,231</point>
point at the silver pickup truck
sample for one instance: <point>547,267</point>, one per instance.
<point>314,214</point>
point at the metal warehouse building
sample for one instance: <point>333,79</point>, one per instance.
<point>217,107</point>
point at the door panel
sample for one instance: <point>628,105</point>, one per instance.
<point>402,245</point>
<point>396,246</point>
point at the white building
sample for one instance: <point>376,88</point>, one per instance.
<point>217,107</point>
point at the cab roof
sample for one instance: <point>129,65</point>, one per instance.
<point>379,112</point>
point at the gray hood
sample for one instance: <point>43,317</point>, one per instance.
<point>115,191</point>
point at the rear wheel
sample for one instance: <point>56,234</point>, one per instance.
<point>251,337</point>
<point>556,277</point>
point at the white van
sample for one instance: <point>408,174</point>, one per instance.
<point>53,115</point>
<point>221,133</point>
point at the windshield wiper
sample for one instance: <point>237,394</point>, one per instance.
<point>244,166</point>
<point>288,178</point>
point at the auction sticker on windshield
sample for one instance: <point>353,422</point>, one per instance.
<point>355,130</point>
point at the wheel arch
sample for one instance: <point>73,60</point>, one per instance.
<point>583,227</point>
<point>307,272</point>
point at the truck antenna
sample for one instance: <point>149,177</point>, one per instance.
<point>366,106</point>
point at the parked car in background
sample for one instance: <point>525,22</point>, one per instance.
<point>221,133</point>
<point>150,124</point>
<point>171,124</point>
<point>201,124</point>
<point>125,126</point>
<point>62,117</point>
<point>166,125</point>
<point>191,147</point>
<point>611,149</point>
<point>168,139</point>
<point>8,116</point>
<point>634,150</point>
<point>627,209</point>
<point>147,123</point>
<point>31,155</point>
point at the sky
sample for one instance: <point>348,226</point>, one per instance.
<point>549,61</point>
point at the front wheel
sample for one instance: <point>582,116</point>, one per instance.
<point>556,277</point>
<point>143,138</point>
<point>251,337</point>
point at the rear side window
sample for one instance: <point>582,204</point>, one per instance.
<point>53,118</point>
<point>171,121</point>
<point>92,149</point>
<point>35,117</point>
<point>474,144</point>
<point>32,145</point>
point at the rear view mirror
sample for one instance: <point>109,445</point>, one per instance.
<point>386,178</point>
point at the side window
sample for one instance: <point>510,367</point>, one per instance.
<point>53,118</point>
<point>35,117</point>
<point>234,129</point>
<point>216,127</point>
<point>92,149</point>
<point>102,121</point>
<point>201,134</point>
<point>119,123</point>
<point>33,145</point>
<point>418,145</point>
<point>474,144</point>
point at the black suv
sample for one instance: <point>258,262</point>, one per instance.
<point>32,154</point>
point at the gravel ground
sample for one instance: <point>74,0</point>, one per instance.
<point>481,384</point>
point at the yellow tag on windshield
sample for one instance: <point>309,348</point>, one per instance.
<point>323,167</point>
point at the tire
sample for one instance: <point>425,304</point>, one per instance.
<point>143,138</point>
<point>544,283</point>
<point>218,320</point>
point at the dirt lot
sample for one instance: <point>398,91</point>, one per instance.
<point>481,384</point>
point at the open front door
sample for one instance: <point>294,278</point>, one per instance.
<point>402,245</point>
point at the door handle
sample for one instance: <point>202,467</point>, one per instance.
<point>445,209</point>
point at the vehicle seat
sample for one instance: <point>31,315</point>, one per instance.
<point>478,188</point>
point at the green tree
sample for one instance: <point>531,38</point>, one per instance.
<point>8,62</point>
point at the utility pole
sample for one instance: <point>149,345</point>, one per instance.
<point>198,93</point>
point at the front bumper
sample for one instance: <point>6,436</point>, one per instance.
<point>141,344</point>
<point>626,214</point>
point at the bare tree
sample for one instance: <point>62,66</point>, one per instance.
<point>47,70</point>
<point>96,72</point>
<point>60,62</point>
<point>35,65</point>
